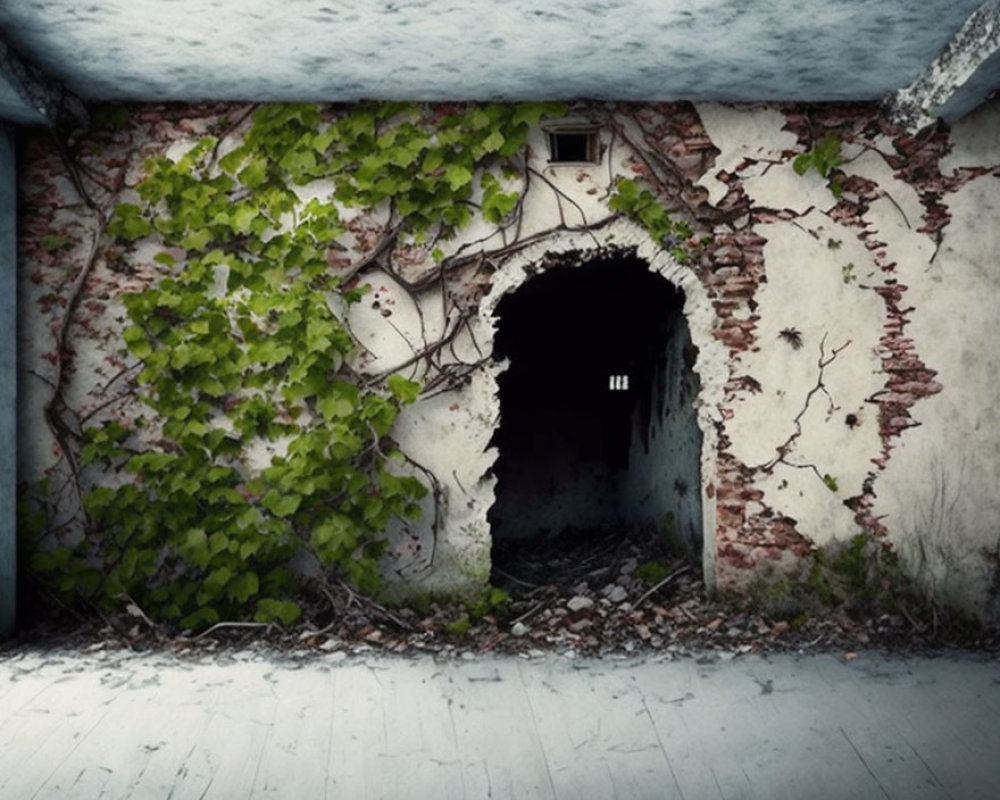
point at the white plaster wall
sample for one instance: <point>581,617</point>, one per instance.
<point>811,290</point>
<point>743,133</point>
<point>939,490</point>
<point>937,495</point>
<point>974,139</point>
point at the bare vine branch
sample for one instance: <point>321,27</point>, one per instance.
<point>55,409</point>
<point>387,241</point>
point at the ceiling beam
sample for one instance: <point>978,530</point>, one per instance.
<point>959,79</point>
<point>44,99</point>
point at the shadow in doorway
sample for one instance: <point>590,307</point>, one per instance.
<point>599,446</point>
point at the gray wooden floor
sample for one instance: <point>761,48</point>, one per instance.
<point>117,725</point>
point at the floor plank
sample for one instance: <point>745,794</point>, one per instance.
<point>124,725</point>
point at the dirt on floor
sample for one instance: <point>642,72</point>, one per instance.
<point>587,594</point>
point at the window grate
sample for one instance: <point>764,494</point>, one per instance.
<point>574,144</point>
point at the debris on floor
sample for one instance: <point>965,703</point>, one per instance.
<point>595,594</point>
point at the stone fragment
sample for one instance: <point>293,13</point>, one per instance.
<point>519,629</point>
<point>579,603</point>
<point>615,593</point>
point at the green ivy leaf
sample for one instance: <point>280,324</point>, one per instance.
<point>196,239</point>
<point>335,538</point>
<point>458,176</point>
<point>216,580</point>
<point>128,223</point>
<point>254,174</point>
<point>281,504</point>
<point>243,586</point>
<point>406,391</point>
<point>491,143</point>
<point>531,113</point>
<point>340,401</point>
<point>242,217</point>
<point>284,612</point>
<point>380,413</point>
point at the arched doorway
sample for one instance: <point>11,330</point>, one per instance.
<point>598,429</point>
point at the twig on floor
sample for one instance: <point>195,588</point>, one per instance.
<point>514,579</point>
<point>220,625</point>
<point>661,584</point>
<point>492,643</point>
<point>530,613</point>
<point>325,629</point>
<point>132,609</point>
<point>381,610</point>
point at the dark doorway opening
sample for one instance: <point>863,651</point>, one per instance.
<point>598,438</point>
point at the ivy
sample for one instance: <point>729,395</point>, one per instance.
<point>642,205</point>
<point>823,157</point>
<point>243,350</point>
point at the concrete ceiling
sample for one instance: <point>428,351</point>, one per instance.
<point>343,50</point>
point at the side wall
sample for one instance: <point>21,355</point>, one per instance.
<point>664,478</point>
<point>8,379</point>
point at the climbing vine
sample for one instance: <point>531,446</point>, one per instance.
<point>643,206</point>
<point>259,438</point>
<point>243,348</point>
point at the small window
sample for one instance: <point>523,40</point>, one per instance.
<point>618,383</point>
<point>573,144</point>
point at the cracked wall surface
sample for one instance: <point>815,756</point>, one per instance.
<point>939,487</point>
<point>845,356</point>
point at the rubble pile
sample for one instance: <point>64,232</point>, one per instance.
<point>596,595</point>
